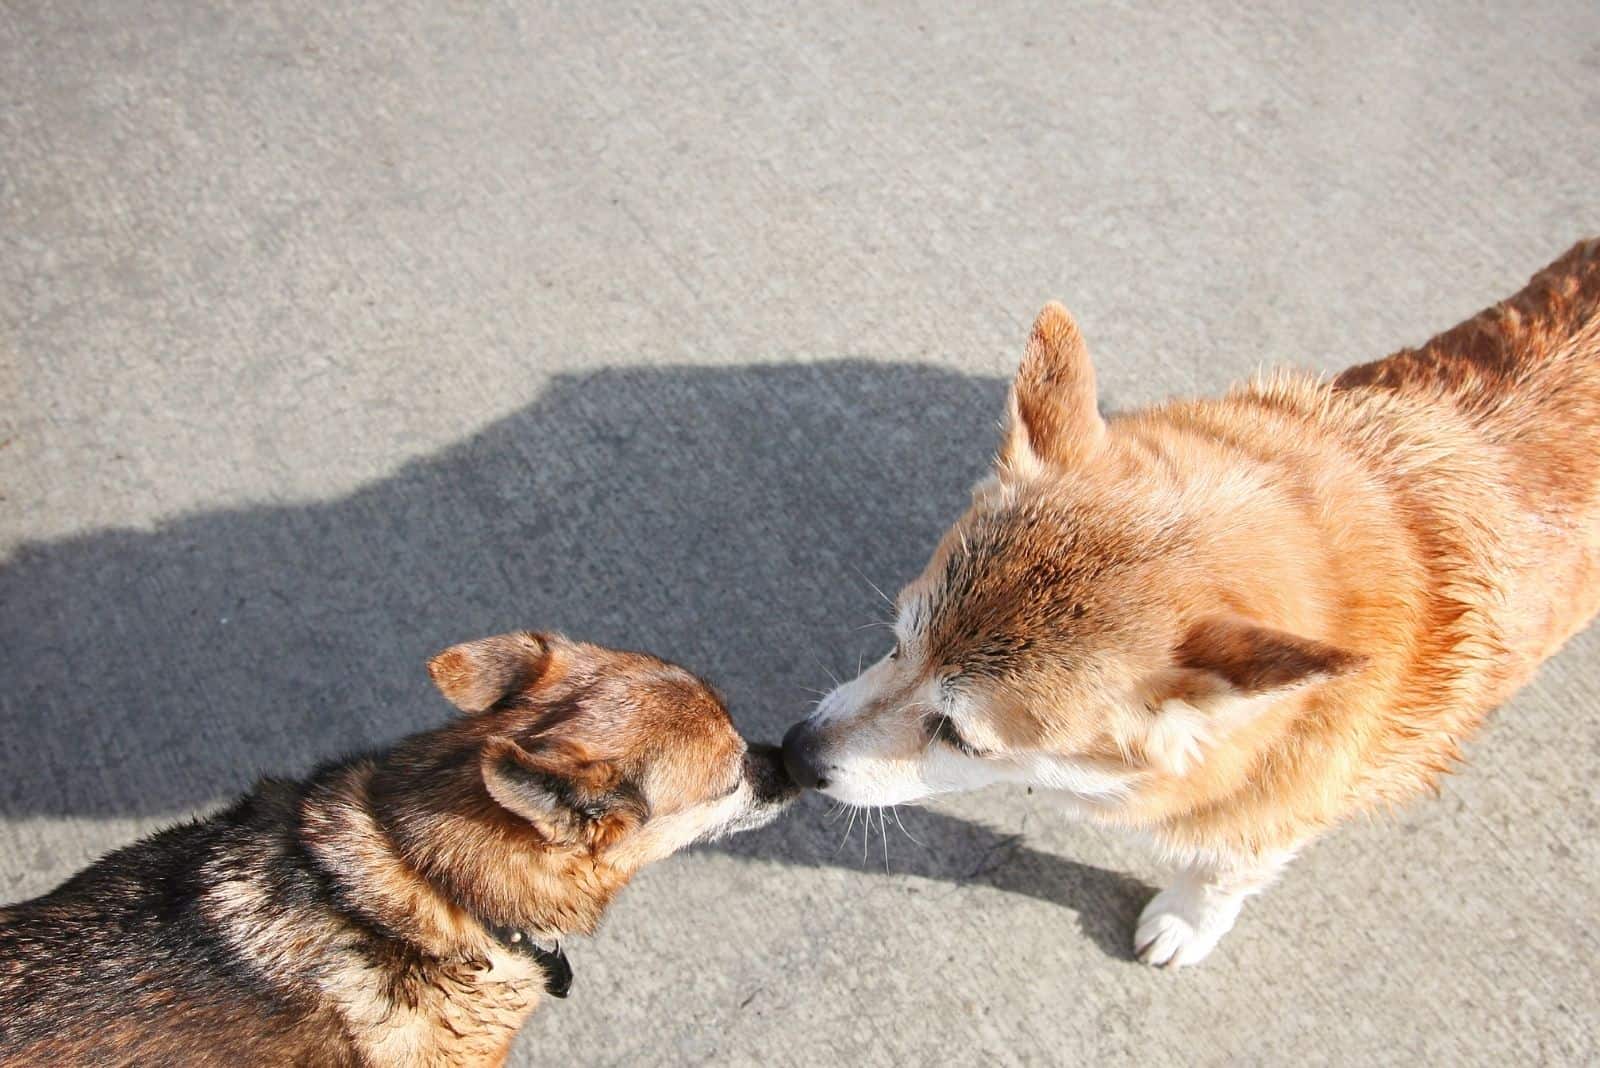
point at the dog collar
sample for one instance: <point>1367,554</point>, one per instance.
<point>551,959</point>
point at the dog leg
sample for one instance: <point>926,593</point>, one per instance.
<point>1184,922</point>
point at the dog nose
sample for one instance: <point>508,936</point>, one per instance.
<point>769,777</point>
<point>802,752</point>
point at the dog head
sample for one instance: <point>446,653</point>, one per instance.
<point>573,767</point>
<point>1070,631</point>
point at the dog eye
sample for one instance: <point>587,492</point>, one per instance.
<point>942,729</point>
<point>894,654</point>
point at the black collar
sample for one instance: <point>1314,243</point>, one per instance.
<point>552,960</point>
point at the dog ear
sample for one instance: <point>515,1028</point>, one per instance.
<point>1223,672</point>
<point>561,791</point>
<point>475,676</point>
<point>1241,657</point>
<point>1051,416</point>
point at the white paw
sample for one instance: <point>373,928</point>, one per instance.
<point>1183,923</point>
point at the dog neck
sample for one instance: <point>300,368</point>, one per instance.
<point>371,882</point>
<point>551,959</point>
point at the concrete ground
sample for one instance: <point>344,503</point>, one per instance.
<point>334,334</point>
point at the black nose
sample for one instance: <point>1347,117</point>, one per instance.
<point>802,755</point>
<point>769,776</point>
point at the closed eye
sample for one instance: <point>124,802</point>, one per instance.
<point>941,729</point>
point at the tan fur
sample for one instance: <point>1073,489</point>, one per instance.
<point>1437,513</point>
<point>1253,616</point>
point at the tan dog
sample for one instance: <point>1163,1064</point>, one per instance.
<point>1231,623</point>
<point>401,908</point>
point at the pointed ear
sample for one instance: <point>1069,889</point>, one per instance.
<point>1051,416</point>
<point>1224,671</point>
<point>1222,654</point>
<point>568,797</point>
<point>475,676</point>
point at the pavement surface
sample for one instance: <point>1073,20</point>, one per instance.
<point>335,334</point>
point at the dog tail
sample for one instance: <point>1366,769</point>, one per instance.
<point>1554,320</point>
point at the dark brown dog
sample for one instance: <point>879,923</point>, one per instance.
<point>401,908</point>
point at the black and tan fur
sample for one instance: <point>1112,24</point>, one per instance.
<point>388,909</point>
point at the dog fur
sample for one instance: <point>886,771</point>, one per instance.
<point>385,911</point>
<point>1231,623</point>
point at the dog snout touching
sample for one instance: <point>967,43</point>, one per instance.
<point>803,756</point>
<point>770,781</point>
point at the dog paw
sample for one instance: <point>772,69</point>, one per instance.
<point>1184,923</point>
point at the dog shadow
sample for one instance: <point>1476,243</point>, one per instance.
<point>960,853</point>
<point>732,519</point>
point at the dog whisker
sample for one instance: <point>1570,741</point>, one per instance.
<point>875,588</point>
<point>826,670</point>
<point>895,810</point>
<point>847,828</point>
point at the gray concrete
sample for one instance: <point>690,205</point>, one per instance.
<point>333,337</point>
